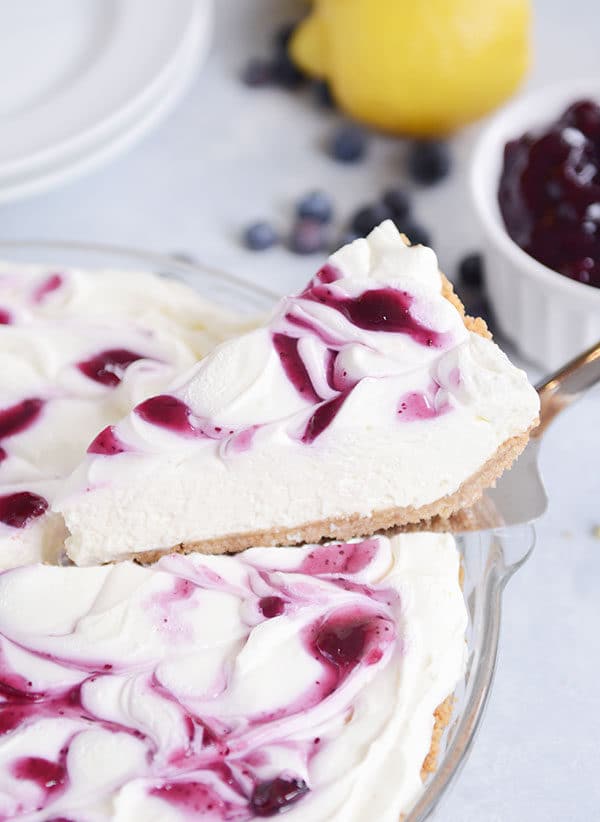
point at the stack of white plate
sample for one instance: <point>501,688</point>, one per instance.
<point>84,79</point>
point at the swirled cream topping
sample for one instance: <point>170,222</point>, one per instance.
<point>362,393</point>
<point>228,688</point>
<point>77,351</point>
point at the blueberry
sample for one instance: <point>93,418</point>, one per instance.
<point>349,144</point>
<point>258,72</point>
<point>398,202</point>
<point>567,212</point>
<point>416,233</point>
<point>317,205</point>
<point>470,271</point>
<point>308,236</point>
<point>367,218</point>
<point>584,115</point>
<point>260,236</point>
<point>286,73</point>
<point>283,35</point>
<point>323,95</point>
<point>428,161</point>
<point>479,306</point>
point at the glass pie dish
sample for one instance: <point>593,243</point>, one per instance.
<point>489,558</point>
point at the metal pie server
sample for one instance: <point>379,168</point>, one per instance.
<point>519,496</point>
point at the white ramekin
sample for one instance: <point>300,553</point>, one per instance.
<point>549,317</point>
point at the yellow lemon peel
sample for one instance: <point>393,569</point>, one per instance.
<point>419,67</point>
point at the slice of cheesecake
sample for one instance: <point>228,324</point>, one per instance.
<point>367,401</point>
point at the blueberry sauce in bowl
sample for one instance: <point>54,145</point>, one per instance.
<point>549,193</point>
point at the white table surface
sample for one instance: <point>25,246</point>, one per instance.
<point>228,155</point>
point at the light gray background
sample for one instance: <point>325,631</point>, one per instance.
<point>228,155</point>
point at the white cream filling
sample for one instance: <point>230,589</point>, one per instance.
<point>219,659</point>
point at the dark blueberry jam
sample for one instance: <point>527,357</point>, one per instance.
<point>271,606</point>
<point>293,365</point>
<point>108,367</point>
<point>107,443</point>
<point>339,558</point>
<point>322,418</point>
<point>18,509</point>
<point>49,776</point>
<point>343,644</point>
<point>167,412</point>
<point>274,797</point>
<point>327,274</point>
<point>17,418</point>
<point>50,284</point>
<point>379,309</point>
<point>345,639</point>
<point>549,193</point>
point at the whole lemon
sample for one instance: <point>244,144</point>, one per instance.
<point>421,67</point>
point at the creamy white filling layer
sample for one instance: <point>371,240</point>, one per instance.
<point>302,679</point>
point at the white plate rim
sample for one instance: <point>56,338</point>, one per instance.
<point>126,135</point>
<point>168,28</point>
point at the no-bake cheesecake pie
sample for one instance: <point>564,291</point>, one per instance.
<point>229,688</point>
<point>366,401</point>
<point>313,681</point>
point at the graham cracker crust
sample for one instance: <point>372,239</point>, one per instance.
<point>442,716</point>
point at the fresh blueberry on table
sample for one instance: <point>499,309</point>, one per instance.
<point>308,236</point>
<point>258,72</point>
<point>260,236</point>
<point>283,35</point>
<point>349,144</point>
<point>317,205</point>
<point>322,94</point>
<point>398,202</point>
<point>470,271</point>
<point>477,305</point>
<point>368,217</point>
<point>428,161</point>
<point>416,233</point>
<point>286,73</point>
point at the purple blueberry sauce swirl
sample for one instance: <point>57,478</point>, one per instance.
<point>324,386</point>
<point>207,760</point>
